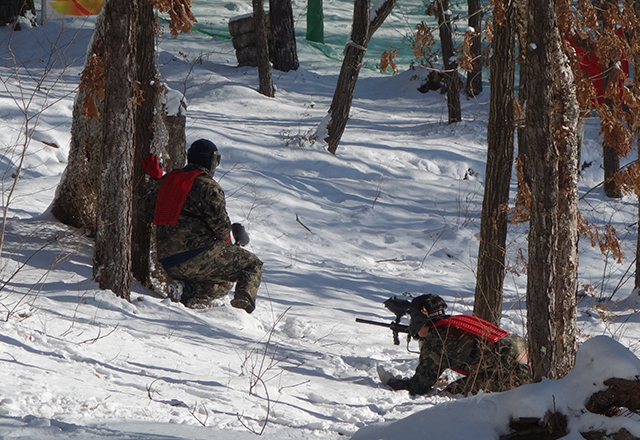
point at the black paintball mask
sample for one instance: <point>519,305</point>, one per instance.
<point>425,309</point>
<point>204,153</point>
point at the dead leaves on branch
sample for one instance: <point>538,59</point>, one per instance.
<point>92,77</point>
<point>92,86</point>
<point>387,60</point>
<point>607,240</point>
<point>179,11</point>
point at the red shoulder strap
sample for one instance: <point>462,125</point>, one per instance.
<point>173,193</point>
<point>475,326</point>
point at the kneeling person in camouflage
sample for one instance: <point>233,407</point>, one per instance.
<point>489,358</point>
<point>193,234</point>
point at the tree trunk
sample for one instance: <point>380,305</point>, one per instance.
<point>611,165</point>
<point>112,253</point>
<point>361,33</point>
<point>493,225</point>
<point>635,60</point>
<point>610,156</point>
<point>522,19</point>
<point>75,203</point>
<point>10,9</point>
<point>552,116</point>
<point>262,48</point>
<point>285,56</point>
<point>345,88</point>
<point>474,77</point>
<point>449,60</point>
<point>148,82</point>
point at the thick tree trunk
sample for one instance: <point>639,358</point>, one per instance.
<point>262,47</point>
<point>449,60</point>
<point>147,79</point>
<point>493,225</point>
<point>75,203</point>
<point>112,253</point>
<point>474,77</point>
<point>361,32</point>
<point>552,116</point>
<point>285,56</point>
<point>636,68</point>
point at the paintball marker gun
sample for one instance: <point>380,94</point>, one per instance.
<point>398,307</point>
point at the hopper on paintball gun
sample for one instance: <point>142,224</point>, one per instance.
<point>397,306</point>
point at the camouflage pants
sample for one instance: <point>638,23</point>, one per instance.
<point>211,275</point>
<point>496,370</point>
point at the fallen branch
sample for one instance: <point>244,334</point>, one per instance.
<point>298,220</point>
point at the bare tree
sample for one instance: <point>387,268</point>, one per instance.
<point>450,62</point>
<point>285,56</point>
<point>147,103</point>
<point>262,48</point>
<point>364,26</point>
<point>474,76</point>
<point>75,203</point>
<point>112,251</point>
<point>96,189</point>
<point>550,128</point>
<point>635,60</point>
<point>493,224</point>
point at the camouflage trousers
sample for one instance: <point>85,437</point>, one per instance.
<point>497,369</point>
<point>211,275</point>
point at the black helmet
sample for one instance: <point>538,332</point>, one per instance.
<point>204,153</point>
<point>425,309</point>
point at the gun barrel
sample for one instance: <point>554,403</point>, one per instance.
<point>401,328</point>
<point>366,321</point>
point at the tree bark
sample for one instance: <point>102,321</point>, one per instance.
<point>353,55</point>
<point>449,60</point>
<point>362,30</point>
<point>75,203</point>
<point>474,77</point>
<point>552,116</point>
<point>285,56</point>
<point>10,9</point>
<point>621,393</point>
<point>112,252</point>
<point>144,117</point>
<point>500,131</point>
<point>262,47</point>
<point>522,18</point>
<point>611,165</point>
<point>635,60</point>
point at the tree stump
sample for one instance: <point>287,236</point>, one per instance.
<point>244,39</point>
<point>622,393</point>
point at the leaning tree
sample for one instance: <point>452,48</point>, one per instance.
<point>365,23</point>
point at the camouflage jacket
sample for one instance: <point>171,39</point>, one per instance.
<point>203,219</point>
<point>460,351</point>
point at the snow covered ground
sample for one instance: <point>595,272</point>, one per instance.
<point>396,210</point>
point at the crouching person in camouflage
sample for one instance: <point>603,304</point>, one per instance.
<point>489,358</point>
<point>193,234</point>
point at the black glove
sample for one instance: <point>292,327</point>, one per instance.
<point>239,234</point>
